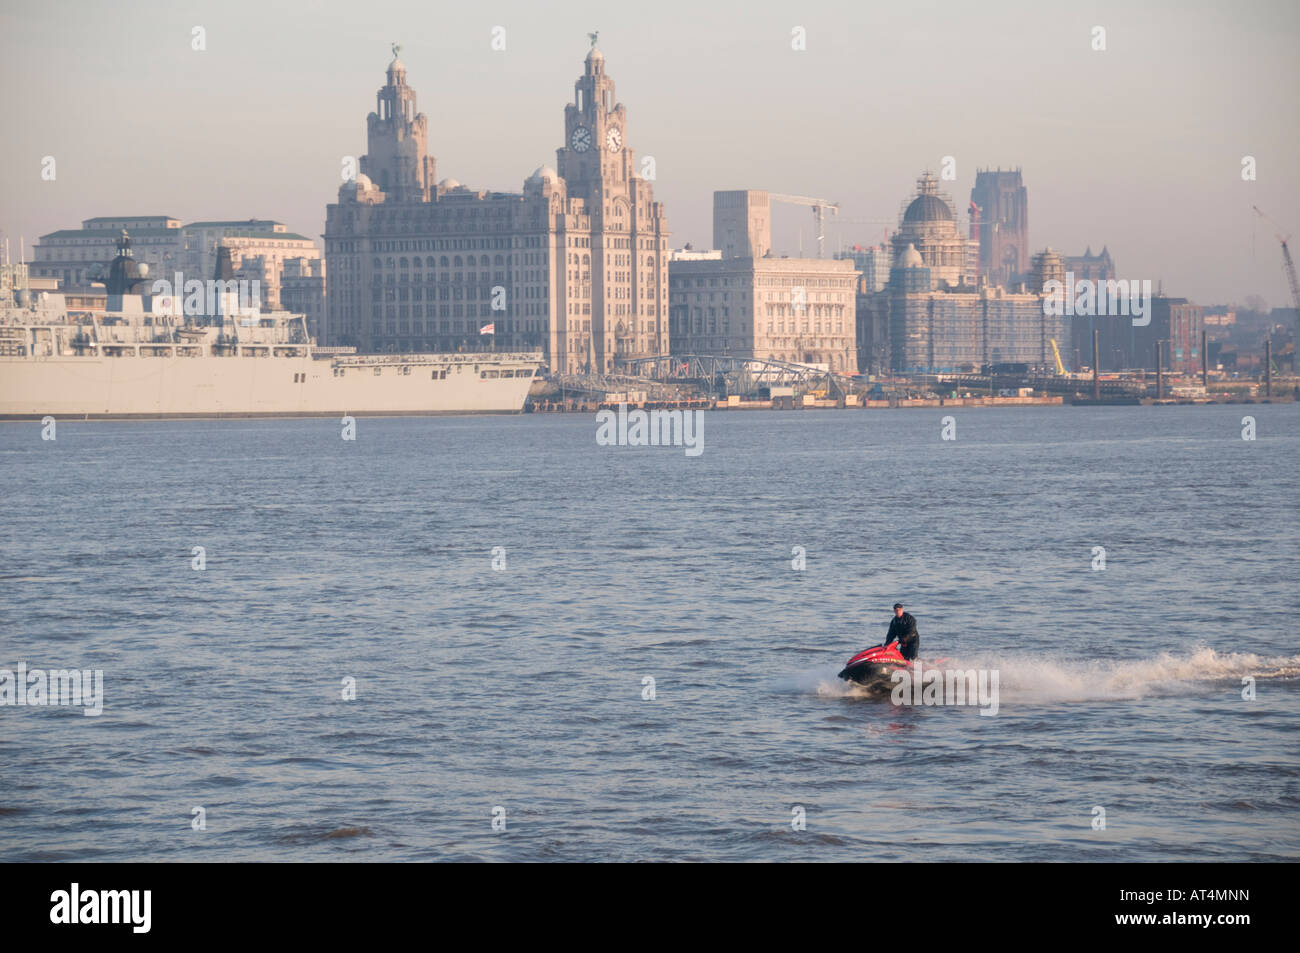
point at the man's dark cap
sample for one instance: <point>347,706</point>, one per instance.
<point>898,605</point>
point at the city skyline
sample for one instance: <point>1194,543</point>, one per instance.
<point>268,132</point>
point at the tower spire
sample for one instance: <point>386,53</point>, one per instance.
<point>397,157</point>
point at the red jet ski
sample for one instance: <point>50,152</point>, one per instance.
<point>874,666</point>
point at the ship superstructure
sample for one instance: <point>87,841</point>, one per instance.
<point>145,356</point>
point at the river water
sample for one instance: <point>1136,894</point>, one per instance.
<point>521,693</point>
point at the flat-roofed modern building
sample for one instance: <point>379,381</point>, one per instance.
<point>873,262</point>
<point>1176,321</point>
<point>872,326</point>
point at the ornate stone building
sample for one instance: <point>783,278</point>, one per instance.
<point>575,265</point>
<point>746,303</point>
<point>397,156</point>
<point>929,224</point>
<point>800,310</point>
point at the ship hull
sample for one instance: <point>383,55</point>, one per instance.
<point>169,386</point>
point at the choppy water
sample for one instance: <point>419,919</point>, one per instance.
<point>522,688</point>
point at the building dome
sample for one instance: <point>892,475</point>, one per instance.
<point>928,228</point>
<point>911,258</point>
<point>543,173</point>
<point>448,184</point>
<point>927,208</point>
<point>595,57</point>
<point>396,69</point>
<point>356,186</point>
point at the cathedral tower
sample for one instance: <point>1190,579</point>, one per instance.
<point>1003,203</point>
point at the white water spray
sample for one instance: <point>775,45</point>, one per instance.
<point>1041,680</point>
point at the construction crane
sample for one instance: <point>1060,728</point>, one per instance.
<point>842,222</point>
<point>1288,266</point>
<point>818,207</point>
<point>1056,355</point>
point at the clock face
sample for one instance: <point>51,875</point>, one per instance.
<point>581,140</point>
<point>613,139</point>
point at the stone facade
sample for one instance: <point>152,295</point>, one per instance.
<point>575,265</point>
<point>397,156</point>
<point>621,310</point>
<point>785,309</point>
<point>742,301</point>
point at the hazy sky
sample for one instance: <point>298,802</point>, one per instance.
<point>1138,147</point>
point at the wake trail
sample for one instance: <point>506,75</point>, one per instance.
<point>1043,679</point>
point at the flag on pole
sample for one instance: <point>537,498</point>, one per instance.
<point>488,329</point>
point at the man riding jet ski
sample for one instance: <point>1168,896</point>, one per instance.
<point>875,665</point>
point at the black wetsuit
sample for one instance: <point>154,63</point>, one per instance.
<point>903,628</point>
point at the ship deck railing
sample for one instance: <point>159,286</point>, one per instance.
<point>473,357</point>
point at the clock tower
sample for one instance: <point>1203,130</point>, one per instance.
<point>616,237</point>
<point>593,130</point>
